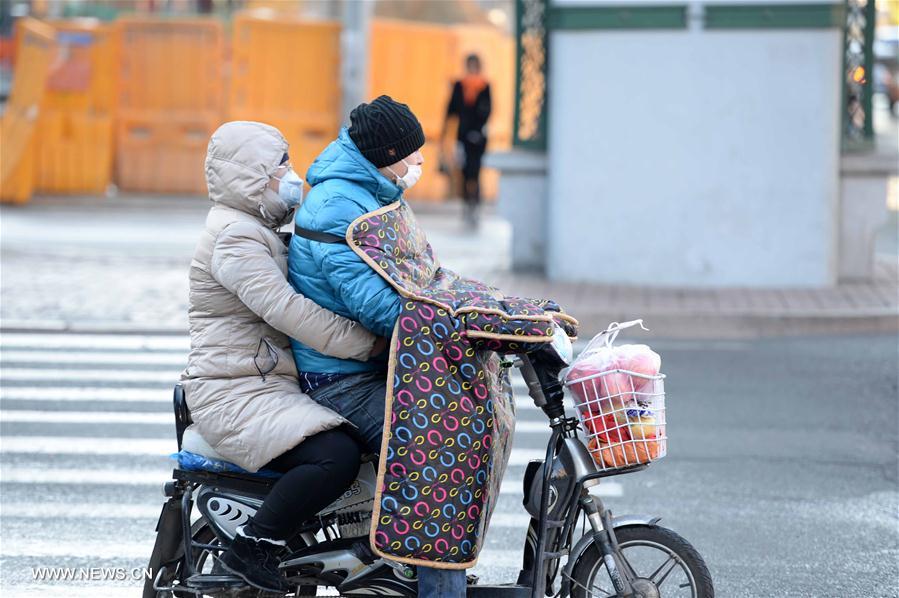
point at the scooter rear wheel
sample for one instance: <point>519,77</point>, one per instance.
<point>665,563</point>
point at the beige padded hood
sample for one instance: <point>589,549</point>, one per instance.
<point>241,158</point>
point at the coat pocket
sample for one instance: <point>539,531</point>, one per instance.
<point>266,358</point>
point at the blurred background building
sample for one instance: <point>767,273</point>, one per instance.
<point>705,144</point>
<point>745,143</point>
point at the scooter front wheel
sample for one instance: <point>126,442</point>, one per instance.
<point>666,565</point>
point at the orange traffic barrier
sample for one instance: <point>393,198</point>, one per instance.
<point>19,120</point>
<point>163,153</point>
<point>85,69</point>
<point>149,92</point>
<point>172,65</point>
<point>74,152</point>
<point>286,72</point>
<point>75,131</point>
<point>413,64</point>
<point>281,6</point>
<point>171,100</point>
<point>417,64</point>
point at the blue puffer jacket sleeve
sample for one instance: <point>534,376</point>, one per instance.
<point>367,296</point>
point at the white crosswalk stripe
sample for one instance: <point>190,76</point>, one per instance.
<point>73,376</point>
<point>95,342</point>
<point>86,393</point>
<point>70,406</point>
<point>79,445</point>
<point>111,548</point>
<point>36,510</point>
<point>60,358</point>
<point>87,417</point>
<point>28,475</point>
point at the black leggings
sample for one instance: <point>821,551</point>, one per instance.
<point>316,472</point>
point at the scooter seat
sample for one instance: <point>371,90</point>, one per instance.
<point>197,455</point>
<point>189,461</point>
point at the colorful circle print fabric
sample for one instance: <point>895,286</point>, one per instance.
<point>450,420</point>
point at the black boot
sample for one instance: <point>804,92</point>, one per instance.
<point>255,561</point>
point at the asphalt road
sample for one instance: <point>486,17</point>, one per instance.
<point>782,464</point>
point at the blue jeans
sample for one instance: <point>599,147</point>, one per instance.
<point>441,583</point>
<point>361,399</point>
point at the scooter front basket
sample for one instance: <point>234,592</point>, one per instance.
<point>622,414</point>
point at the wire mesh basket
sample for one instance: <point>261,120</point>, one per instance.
<point>622,414</point>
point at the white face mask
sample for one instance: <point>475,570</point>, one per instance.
<point>290,188</point>
<point>413,173</point>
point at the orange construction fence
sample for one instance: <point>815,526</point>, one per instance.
<point>75,131</point>
<point>19,121</point>
<point>171,99</point>
<point>145,94</point>
<point>413,64</point>
<point>285,72</point>
<point>171,65</point>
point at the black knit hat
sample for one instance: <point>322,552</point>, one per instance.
<point>385,131</point>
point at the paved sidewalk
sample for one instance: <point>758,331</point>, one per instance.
<point>96,263</point>
<point>848,308</point>
<point>859,307</point>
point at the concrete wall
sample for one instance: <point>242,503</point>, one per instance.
<point>694,158</point>
<point>522,201</point>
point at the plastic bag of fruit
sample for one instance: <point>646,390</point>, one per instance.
<point>626,371</point>
<point>620,399</point>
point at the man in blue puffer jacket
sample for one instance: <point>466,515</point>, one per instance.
<point>367,167</point>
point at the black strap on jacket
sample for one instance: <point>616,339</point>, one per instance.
<point>314,235</point>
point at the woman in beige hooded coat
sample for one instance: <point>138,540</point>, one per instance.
<point>241,381</point>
